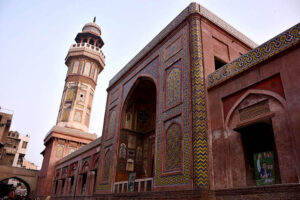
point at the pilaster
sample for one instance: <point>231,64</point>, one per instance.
<point>199,119</point>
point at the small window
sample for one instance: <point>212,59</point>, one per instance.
<point>24,145</point>
<point>219,63</point>
<point>84,40</point>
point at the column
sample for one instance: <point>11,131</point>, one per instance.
<point>68,183</point>
<point>79,185</point>
<point>53,187</point>
<point>90,182</point>
<point>59,187</point>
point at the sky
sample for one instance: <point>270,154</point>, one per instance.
<point>35,37</point>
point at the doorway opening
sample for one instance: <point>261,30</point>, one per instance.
<point>260,153</point>
<point>16,185</point>
<point>137,136</point>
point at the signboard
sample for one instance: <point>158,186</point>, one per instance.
<point>264,168</point>
<point>131,182</point>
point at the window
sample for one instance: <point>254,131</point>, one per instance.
<point>24,145</point>
<point>219,63</point>
<point>20,160</point>
<point>82,95</point>
<point>87,69</point>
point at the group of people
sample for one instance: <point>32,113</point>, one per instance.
<point>13,195</point>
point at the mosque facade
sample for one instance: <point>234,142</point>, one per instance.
<point>202,112</point>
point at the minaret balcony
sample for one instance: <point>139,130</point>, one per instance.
<point>86,49</point>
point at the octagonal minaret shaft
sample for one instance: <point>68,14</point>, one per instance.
<point>85,61</point>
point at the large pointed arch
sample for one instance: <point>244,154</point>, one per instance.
<point>137,129</point>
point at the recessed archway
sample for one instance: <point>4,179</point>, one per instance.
<point>16,184</point>
<point>136,147</point>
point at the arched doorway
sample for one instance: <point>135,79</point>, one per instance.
<point>136,148</point>
<point>257,127</point>
<point>19,186</point>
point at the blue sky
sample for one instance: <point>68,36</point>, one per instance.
<point>35,37</point>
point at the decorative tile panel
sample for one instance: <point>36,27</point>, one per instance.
<point>173,149</point>
<point>111,124</point>
<point>106,167</point>
<point>173,85</point>
<point>172,49</point>
<point>254,110</point>
<point>59,150</point>
<point>184,178</point>
<point>150,69</point>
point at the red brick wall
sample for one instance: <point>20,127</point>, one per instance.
<point>284,68</point>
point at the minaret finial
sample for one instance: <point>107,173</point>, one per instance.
<point>94,19</point>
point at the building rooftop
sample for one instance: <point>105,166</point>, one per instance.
<point>191,9</point>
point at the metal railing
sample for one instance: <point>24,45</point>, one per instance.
<point>140,185</point>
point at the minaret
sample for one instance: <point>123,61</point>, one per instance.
<point>85,61</point>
